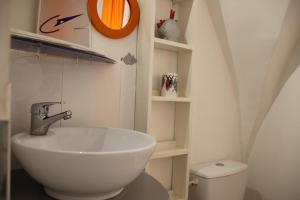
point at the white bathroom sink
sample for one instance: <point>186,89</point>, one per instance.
<point>84,163</point>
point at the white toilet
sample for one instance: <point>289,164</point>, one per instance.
<point>223,180</point>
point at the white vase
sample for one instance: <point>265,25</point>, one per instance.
<point>169,85</point>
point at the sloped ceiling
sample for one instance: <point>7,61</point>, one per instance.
<point>253,33</point>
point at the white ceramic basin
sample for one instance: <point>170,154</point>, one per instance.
<point>84,163</point>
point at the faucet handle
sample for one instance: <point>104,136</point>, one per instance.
<point>42,109</point>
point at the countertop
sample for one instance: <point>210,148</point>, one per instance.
<point>142,188</point>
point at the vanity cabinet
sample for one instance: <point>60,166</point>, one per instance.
<point>165,118</point>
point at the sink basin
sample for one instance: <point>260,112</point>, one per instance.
<point>84,163</point>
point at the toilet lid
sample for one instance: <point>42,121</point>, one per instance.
<point>218,169</point>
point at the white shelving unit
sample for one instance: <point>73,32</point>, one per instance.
<point>165,118</point>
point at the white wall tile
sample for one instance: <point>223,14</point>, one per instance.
<point>92,92</point>
<point>127,96</point>
<point>33,81</point>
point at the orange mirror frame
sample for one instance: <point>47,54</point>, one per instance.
<point>112,33</point>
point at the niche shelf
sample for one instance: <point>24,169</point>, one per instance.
<point>4,117</point>
<point>168,149</point>
<point>167,119</point>
<point>178,1</point>
<point>173,196</point>
<point>170,45</point>
<point>170,61</point>
<point>171,172</point>
<point>171,99</point>
<point>24,40</point>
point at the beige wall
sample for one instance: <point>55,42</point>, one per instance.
<point>265,47</point>
<point>274,162</point>
<point>266,51</point>
<point>273,148</point>
<point>216,14</point>
<point>4,62</point>
<point>252,28</point>
<point>24,14</point>
<point>215,117</point>
<point>285,59</point>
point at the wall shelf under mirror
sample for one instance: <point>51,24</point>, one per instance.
<point>23,40</point>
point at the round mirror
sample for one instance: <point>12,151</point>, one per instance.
<point>114,18</point>
<point>114,14</point>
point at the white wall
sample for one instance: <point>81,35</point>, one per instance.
<point>215,117</point>
<point>216,13</point>
<point>274,162</point>
<point>98,94</point>
<point>253,28</point>
<point>285,59</point>
<point>263,38</point>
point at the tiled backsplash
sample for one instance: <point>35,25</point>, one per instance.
<point>94,91</point>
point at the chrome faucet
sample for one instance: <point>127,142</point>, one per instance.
<point>40,121</point>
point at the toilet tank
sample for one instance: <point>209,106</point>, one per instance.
<point>223,180</point>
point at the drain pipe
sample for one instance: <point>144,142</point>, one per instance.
<point>193,182</point>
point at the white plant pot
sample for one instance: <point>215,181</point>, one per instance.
<point>169,85</point>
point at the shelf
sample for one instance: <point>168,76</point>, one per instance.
<point>3,117</point>
<point>171,99</point>
<point>168,149</point>
<point>173,196</point>
<point>170,45</point>
<point>178,1</point>
<point>32,39</point>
